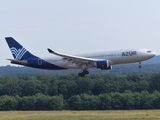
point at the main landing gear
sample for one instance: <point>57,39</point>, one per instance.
<point>82,74</point>
<point>140,66</point>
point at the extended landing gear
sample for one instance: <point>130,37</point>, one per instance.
<point>82,74</point>
<point>140,66</point>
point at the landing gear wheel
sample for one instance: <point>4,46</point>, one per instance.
<point>86,72</point>
<point>140,66</point>
<point>81,74</point>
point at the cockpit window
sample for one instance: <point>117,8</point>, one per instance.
<point>148,51</point>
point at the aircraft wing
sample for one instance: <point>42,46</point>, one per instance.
<point>73,59</point>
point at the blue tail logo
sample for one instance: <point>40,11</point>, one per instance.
<point>18,54</point>
<point>18,51</point>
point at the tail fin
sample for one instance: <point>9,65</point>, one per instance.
<point>18,51</point>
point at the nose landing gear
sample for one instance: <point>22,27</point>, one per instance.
<point>140,66</point>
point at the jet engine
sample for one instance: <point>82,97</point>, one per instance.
<point>103,65</point>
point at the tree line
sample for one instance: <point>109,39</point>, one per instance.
<point>69,85</point>
<point>93,92</point>
<point>104,101</point>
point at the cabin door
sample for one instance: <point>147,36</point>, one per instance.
<point>39,61</point>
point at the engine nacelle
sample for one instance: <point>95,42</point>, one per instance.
<point>103,65</point>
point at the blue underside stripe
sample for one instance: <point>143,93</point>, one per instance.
<point>43,65</point>
<point>33,62</point>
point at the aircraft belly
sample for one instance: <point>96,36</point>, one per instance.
<point>66,65</point>
<point>70,65</point>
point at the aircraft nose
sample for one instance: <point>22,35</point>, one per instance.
<point>153,54</point>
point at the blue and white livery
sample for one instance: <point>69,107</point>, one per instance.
<point>18,53</point>
<point>103,60</point>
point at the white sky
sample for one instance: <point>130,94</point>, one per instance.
<point>79,26</point>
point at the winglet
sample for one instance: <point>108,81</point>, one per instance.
<point>50,51</point>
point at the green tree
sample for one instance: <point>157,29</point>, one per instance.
<point>27,103</point>
<point>52,86</point>
<point>85,86</point>
<point>155,82</point>
<point>13,87</point>
<point>74,103</point>
<point>127,100</point>
<point>29,88</point>
<point>63,90</point>
<point>8,103</point>
<point>156,101</point>
<point>105,101</point>
<point>90,102</point>
<point>42,101</point>
<point>56,103</point>
<point>137,99</point>
<point>116,101</point>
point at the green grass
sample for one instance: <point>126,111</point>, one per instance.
<point>81,115</point>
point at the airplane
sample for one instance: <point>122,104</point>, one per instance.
<point>59,61</point>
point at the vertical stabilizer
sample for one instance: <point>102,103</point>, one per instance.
<point>18,51</point>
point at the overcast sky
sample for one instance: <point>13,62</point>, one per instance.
<point>79,26</point>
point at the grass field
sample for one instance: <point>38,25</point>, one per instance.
<point>81,115</point>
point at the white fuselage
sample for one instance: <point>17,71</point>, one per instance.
<point>114,57</point>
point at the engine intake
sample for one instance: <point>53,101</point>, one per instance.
<point>103,65</point>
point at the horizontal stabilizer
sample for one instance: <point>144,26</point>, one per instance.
<point>17,61</point>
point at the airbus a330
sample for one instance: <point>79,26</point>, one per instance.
<point>102,60</point>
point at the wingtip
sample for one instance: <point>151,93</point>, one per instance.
<point>50,51</point>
